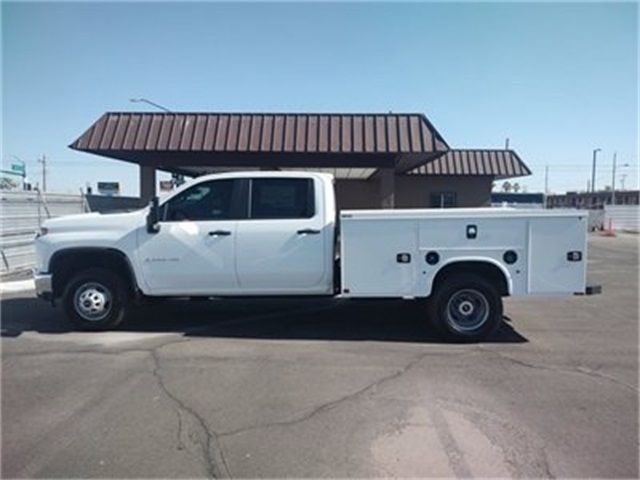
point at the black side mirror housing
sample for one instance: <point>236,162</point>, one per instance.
<point>153,217</point>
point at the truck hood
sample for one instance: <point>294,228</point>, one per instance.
<point>96,221</point>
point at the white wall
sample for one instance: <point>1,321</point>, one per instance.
<point>622,217</point>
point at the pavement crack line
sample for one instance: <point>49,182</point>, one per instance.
<point>211,438</point>
<point>181,445</point>
<point>329,405</point>
<point>575,370</point>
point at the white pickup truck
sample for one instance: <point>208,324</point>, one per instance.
<point>278,234</point>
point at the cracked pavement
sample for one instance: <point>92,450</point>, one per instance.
<point>320,388</point>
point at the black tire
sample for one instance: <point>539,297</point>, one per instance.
<point>96,299</point>
<point>465,308</point>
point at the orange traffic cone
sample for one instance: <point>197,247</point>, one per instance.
<point>609,232</point>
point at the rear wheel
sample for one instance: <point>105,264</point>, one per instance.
<point>96,299</point>
<point>466,307</point>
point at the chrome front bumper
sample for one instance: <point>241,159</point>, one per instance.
<point>43,285</point>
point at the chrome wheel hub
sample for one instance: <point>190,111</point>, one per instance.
<point>467,310</point>
<point>466,307</point>
<point>92,301</point>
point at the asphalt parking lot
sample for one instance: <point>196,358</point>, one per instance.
<point>328,389</point>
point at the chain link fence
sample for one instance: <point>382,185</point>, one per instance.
<point>21,214</point>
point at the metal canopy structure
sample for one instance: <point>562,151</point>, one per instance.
<point>356,145</point>
<point>495,163</point>
<point>352,146</point>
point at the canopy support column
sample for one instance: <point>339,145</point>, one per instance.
<point>147,183</point>
<point>387,187</point>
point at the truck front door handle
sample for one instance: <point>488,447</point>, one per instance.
<point>220,233</point>
<point>309,231</point>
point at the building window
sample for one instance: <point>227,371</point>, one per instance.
<point>443,200</point>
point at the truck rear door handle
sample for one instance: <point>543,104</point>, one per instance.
<point>309,231</point>
<point>220,233</point>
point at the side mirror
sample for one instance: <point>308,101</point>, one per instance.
<point>153,217</point>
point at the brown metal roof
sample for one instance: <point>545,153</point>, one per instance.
<point>496,163</point>
<point>233,139</point>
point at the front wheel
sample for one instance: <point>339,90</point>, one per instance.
<point>465,307</point>
<point>95,299</point>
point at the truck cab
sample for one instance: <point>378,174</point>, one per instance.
<point>242,234</point>
<point>282,223</point>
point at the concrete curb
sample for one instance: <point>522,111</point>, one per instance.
<point>17,286</point>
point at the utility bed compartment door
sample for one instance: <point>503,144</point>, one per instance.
<point>369,255</point>
<point>557,255</point>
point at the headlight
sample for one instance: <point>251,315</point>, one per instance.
<point>41,232</point>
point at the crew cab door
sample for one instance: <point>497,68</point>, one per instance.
<point>193,252</point>
<point>281,245</point>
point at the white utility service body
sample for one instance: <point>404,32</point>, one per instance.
<point>279,234</point>
<point>541,239</point>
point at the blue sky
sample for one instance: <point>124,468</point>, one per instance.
<point>558,79</point>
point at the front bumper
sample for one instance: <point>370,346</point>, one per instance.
<point>43,283</point>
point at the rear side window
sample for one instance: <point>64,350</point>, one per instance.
<point>282,198</point>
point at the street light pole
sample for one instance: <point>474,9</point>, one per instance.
<point>593,170</point>
<point>43,161</point>
<point>546,185</point>
<point>175,178</point>
<point>613,180</point>
<point>546,179</point>
<point>149,102</point>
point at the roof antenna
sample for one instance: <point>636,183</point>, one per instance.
<point>506,143</point>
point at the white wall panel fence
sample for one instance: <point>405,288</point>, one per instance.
<point>21,214</point>
<point>622,217</point>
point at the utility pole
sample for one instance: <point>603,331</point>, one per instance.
<point>43,161</point>
<point>593,170</point>
<point>613,180</point>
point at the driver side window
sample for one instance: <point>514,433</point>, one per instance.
<point>204,201</point>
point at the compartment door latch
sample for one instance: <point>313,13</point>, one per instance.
<point>403,258</point>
